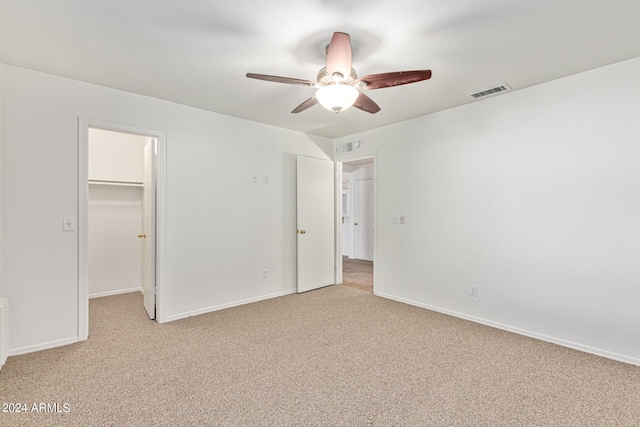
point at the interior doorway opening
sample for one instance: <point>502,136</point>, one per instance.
<point>121,215</point>
<point>121,211</point>
<point>357,223</point>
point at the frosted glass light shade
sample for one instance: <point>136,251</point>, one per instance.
<point>337,97</point>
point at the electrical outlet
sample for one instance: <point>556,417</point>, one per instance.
<point>474,291</point>
<point>265,274</point>
<point>68,223</point>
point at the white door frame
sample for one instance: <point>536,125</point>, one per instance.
<point>148,229</point>
<point>83,213</point>
<point>337,238</point>
<point>338,216</point>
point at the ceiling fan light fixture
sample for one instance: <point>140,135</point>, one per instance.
<point>337,97</point>
<point>338,86</point>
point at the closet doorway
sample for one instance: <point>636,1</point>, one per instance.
<point>358,224</point>
<point>121,211</point>
<point>121,215</point>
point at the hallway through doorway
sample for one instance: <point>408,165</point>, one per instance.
<point>357,274</point>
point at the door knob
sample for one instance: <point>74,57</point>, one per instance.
<point>355,223</point>
<point>142,236</point>
<point>303,231</point>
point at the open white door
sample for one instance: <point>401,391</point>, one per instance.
<point>315,217</point>
<point>363,219</point>
<point>148,235</point>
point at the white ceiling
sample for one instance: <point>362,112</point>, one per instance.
<point>197,52</point>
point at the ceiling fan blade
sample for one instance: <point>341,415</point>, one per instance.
<point>364,103</point>
<point>339,55</point>
<point>396,78</point>
<point>306,104</point>
<point>278,79</point>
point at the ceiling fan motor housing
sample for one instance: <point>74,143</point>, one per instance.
<point>325,79</point>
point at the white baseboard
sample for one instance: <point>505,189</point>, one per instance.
<point>43,346</point>
<point>5,345</point>
<point>516,330</point>
<point>223,306</point>
<point>118,292</point>
<point>66,341</point>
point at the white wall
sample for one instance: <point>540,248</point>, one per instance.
<point>532,196</point>
<point>1,199</point>
<point>115,156</point>
<point>115,212</point>
<point>222,230</point>
<point>4,335</point>
<point>115,215</point>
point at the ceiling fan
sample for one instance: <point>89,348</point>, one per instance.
<point>338,86</point>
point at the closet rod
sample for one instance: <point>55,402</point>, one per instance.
<point>107,182</point>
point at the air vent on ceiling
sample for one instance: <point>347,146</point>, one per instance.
<point>348,147</point>
<point>492,91</point>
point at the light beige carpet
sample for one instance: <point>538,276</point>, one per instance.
<point>332,357</point>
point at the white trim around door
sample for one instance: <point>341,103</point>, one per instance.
<point>84,124</point>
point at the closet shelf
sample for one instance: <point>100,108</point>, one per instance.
<point>115,183</point>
